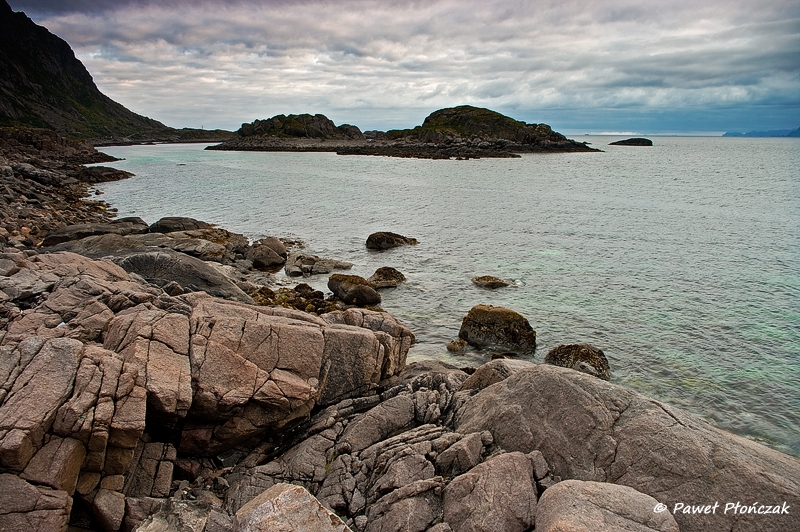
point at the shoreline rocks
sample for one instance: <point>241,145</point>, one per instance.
<point>585,358</point>
<point>487,326</point>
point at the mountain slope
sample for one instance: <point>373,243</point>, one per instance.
<point>43,84</point>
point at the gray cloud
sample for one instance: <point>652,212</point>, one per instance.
<point>390,63</point>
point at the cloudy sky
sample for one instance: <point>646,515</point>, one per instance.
<point>639,66</point>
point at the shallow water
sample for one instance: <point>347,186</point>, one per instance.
<point>681,261</point>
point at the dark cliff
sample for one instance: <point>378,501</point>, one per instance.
<point>43,85</point>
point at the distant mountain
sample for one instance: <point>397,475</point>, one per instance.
<point>43,85</point>
<point>772,133</point>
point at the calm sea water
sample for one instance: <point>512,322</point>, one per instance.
<point>680,261</point>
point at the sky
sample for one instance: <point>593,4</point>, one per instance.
<point>602,66</point>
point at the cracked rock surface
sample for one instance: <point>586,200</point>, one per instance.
<point>125,408</point>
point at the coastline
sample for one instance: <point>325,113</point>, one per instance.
<point>428,414</point>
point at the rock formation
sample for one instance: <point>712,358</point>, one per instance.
<point>101,363</point>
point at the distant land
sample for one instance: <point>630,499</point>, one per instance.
<point>772,133</point>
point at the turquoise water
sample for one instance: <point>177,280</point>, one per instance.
<point>680,261</point>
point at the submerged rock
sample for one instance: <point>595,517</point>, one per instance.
<point>491,282</point>
<point>486,326</point>
<point>581,357</point>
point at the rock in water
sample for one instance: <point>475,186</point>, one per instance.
<point>491,282</point>
<point>498,327</point>
<point>267,253</point>
<point>353,290</point>
<point>581,357</point>
<point>386,277</point>
<point>386,240</point>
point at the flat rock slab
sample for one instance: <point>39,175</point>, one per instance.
<point>577,506</point>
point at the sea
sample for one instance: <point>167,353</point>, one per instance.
<point>681,261</point>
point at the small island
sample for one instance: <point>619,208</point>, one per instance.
<point>462,132</point>
<point>637,141</point>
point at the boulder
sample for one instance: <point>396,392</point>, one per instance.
<point>170,224</point>
<point>491,282</point>
<point>581,357</point>
<point>267,253</point>
<point>353,290</point>
<point>287,507</point>
<point>589,429</point>
<point>499,495</point>
<point>191,273</point>
<point>457,346</point>
<point>386,240</point>
<point>497,327</point>
<point>580,506</point>
<point>386,277</point>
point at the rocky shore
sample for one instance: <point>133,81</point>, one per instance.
<point>153,377</point>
